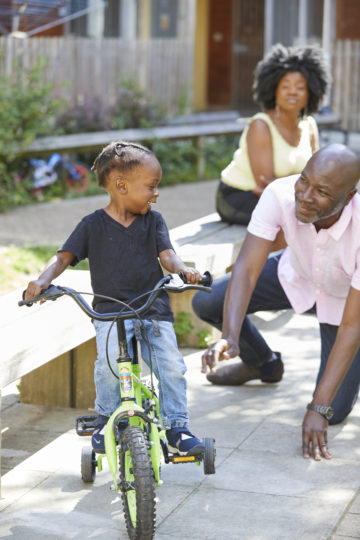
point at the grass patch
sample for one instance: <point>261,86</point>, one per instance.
<point>18,265</point>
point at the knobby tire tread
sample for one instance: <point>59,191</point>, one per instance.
<point>135,441</point>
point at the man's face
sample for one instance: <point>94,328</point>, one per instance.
<point>320,195</point>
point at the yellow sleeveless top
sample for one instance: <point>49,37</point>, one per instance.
<point>287,159</point>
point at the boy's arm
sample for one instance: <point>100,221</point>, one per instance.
<point>173,264</point>
<point>53,269</point>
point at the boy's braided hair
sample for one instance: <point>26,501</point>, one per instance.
<point>309,61</point>
<point>121,155</point>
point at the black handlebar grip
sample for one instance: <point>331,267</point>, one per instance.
<point>206,279</point>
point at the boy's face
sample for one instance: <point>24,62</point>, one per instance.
<point>142,184</point>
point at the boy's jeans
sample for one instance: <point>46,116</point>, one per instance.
<point>167,362</point>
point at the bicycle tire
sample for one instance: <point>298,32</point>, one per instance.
<point>137,484</point>
<point>209,456</point>
<point>88,464</point>
<point>83,182</point>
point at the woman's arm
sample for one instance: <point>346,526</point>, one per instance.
<point>314,135</point>
<point>260,151</point>
<point>53,269</point>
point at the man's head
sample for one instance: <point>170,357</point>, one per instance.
<point>326,185</point>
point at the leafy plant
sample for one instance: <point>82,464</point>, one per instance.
<point>182,325</point>
<point>133,109</point>
<point>27,109</point>
<point>178,160</point>
<point>89,116</point>
<point>204,339</point>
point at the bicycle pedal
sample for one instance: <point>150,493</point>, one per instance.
<point>85,425</point>
<point>184,459</point>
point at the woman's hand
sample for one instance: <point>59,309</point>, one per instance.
<point>222,349</point>
<point>314,436</point>
<point>261,184</point>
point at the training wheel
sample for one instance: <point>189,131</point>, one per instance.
<point>209,456</point>
<point>88,464</point>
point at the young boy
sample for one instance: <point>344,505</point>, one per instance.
<point>124,243</point>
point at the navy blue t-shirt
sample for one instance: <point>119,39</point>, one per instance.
<point>123,260</point>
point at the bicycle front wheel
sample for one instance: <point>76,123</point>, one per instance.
<point>137,484</point>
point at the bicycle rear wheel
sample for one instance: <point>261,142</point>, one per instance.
<point>137,484</point>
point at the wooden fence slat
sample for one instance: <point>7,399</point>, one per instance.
<point>87,68</point>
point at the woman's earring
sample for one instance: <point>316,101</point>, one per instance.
<point>277,111</point>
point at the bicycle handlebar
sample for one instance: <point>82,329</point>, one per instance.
<point>170,283</point>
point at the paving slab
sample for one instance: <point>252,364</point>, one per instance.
<point>262,489</point>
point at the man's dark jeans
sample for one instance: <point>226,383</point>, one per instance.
<point>269,295</point>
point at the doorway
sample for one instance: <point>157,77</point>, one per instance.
<point>235,45</point>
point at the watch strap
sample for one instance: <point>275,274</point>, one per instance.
<point>325,410</point>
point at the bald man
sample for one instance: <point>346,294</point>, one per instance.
<point>319,271</point>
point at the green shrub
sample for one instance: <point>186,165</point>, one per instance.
<point>182,326</point>
<point>27,109</point>
<point>133,109</point>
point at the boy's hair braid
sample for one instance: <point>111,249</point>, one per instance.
<point>121,155</point>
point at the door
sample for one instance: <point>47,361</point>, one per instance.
<point>220,54</point>
<point>248,49</point>
<point>235,45</point>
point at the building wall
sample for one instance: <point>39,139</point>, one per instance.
<point>348,19</point>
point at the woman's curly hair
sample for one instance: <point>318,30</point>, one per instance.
<point>309,61</point>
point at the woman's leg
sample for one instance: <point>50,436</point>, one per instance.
<point>235,205</point>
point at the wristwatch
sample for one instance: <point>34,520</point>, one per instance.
<point>325,410</point>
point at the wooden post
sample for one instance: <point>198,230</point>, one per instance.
<point>201,160</point>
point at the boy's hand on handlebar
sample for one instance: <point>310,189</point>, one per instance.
<point>218,351</point>
<point>35,288</point>
<point>192,275</point>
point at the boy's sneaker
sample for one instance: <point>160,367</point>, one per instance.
<point>97,439</point>
<point>182,442</point>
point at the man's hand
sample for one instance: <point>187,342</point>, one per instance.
<point>314,436</point>
<point>218,351</point>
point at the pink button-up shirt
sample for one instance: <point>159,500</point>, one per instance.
<point>316,267</point>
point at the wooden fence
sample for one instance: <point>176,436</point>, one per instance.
<point>87,68</point>
<point>346,83</point>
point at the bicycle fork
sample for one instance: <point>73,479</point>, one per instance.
<point>131,391</point>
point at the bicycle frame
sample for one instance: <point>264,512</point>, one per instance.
<point>132,392</point>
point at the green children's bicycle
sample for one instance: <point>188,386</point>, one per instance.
<point>134,435</point>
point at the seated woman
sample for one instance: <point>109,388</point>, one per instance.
<point>289,84</point>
